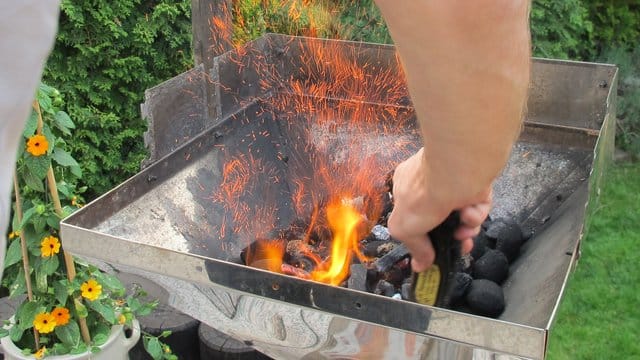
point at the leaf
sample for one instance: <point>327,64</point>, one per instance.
<point>32,181</point>
<point>60,292</point>
<point>14,253</point>
<point>100,339</point>
<point>53,221</point>
<point>27,312</point>
<point>44,100</point>
<point>50,265</point>
<point>63,122</point>
<point>42,283</point>
<point>59,349</point>
<point>38,165</point>
<point>26,216</point>
<point>15,333</point>
<point>105,311</point>
<point>69,334</point>
<point>110,282</point>
<point>19,286</point>
<point>31,125</point>
<point>153,347</point>
<point>79,349</point>
<point>46,131</point>
<point>39,223</point>
<point>68,210</point>
<point>81,309</point>
<point>64,158</point>
<point>76,170</point>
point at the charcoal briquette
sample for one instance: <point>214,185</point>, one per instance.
<point>380,233</point>
<point>405,291</point>
<point>493,265</point>
<point>357,278</point>
<point>385,262</point>
<point>457,288</point>
<point>385,288</point>
<point>371,248</point>
<point>480,245</point>
<point>508,237</point>
<point>485,298</point>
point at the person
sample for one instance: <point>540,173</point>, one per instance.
<point>467,65</point>
<point>27,32</point>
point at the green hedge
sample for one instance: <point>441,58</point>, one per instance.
<point>106,54</point>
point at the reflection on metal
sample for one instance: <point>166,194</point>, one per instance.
<point>163,220</point>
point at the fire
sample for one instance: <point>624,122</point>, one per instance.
<point>334,112</point>
<point>343,220</point>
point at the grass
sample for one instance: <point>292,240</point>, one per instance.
<point>599,317</point>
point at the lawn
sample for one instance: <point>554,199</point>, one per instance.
<point>599,317</point>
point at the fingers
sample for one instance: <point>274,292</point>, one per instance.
<point>422,253</point>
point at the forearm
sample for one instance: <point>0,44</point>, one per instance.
<point>467,66</point>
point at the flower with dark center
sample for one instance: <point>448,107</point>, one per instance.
<point>37,145</point>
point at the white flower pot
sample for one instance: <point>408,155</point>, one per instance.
<point>116,348</point>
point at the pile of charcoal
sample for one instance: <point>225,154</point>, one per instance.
<point>475,279</point>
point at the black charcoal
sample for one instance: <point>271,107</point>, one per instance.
<point>357,278</point>
<point>493,265</point>
<point>371,248</point>
<point>480,245</point>
<point>508,237</point>
<point>387,261</point>
<point>385,288</point>
<point>485,298</point>
<point>405,291</point>
<point>381,233</point>
<point>456,288</point>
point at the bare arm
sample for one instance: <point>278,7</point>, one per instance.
<point>467,67</point>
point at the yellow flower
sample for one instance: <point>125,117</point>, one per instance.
<point>37,145</point>
<point>91,289</point>
<point>62,315</point>
<point>122,319</point>
<point>40,353</point>
<point>14,234</point>
<point>49,246</point>
<point>44,323</point>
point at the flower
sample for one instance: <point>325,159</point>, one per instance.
<point>122,319</point>
<point>49,246</point>
<point>37,145</point>
<point>44,323</point>
<point>40,353</point>
<point>91,289</point>
<point>14,234</point>
<point>61,314</point>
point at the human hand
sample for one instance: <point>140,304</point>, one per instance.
<point>420,205</point>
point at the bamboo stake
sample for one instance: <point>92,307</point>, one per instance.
<point>68,259</point>
<point>25,253</point>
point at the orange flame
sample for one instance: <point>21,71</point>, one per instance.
<point>343,221</point>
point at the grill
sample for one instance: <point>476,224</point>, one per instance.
<point>291,120</point>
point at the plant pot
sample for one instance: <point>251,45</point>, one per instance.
<point>116,348</point>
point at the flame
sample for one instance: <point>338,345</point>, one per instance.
<point>343,221</point>
<point>343,113</point>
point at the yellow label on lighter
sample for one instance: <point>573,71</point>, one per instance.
<point>427,284</point>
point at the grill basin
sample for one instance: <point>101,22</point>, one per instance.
<point>165,220</point>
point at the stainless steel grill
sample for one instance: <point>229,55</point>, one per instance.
<point>163,220</point>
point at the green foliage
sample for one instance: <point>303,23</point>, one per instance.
<point>628,111</point>
<point>603,286</point>
<point>616,24</point>
<point>560,29</point>
<point>106,54</point>
<point>55,303</point>
<point>362,21</point>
